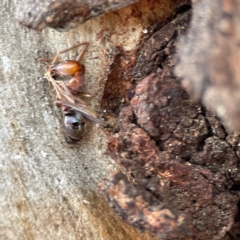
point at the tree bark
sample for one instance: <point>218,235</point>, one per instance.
<point>180,167</point>
<point>63,14</point>
<point>173,168</point>
<point>208,58</point>
<point>48,187</point>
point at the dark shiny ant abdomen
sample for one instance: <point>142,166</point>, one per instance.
<point>74,124</point>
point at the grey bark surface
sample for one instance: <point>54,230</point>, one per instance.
<point>48,188</point>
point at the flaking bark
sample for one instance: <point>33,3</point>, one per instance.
<point>48,189</point>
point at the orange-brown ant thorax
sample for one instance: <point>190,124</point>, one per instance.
<point>69,68</point>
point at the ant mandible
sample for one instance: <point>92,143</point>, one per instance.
<point>74,109</point>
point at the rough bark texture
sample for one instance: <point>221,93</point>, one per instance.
<point>209,58</point>
<point>179,175</point>
<point>182,167</point>
<point>63,14</point>
<point>48,188</point>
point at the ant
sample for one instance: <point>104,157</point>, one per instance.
<point>74,109</point>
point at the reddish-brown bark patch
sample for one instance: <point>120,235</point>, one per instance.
<point>180,167</point>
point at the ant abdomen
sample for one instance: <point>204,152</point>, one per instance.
<point>74,124</point>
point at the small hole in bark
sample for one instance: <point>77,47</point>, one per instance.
<point>236,187</point>
<point>183,9</point>
<point>237,218</point>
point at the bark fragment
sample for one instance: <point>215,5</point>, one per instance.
<point>208,58</point>
<point>142,209</point>
<point>189,193</point>
<point>63,14</point>
<point>176,154</point>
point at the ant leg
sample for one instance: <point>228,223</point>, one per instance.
<point>86,92</point>
<point>45,61</point>
<point>79,57</point>
<point>87,95</point>
<point>68,49</point>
